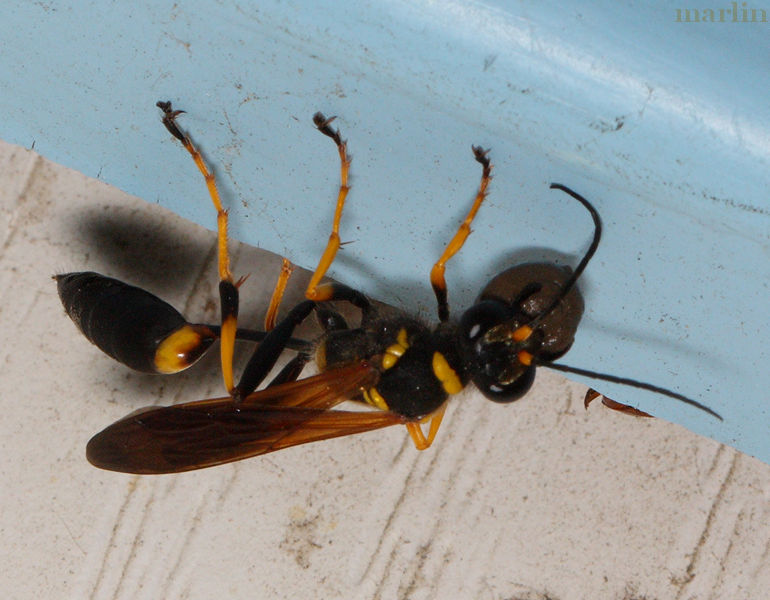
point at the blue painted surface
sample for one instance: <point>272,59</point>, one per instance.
<point>662,124</point>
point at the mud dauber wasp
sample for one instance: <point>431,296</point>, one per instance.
<point>525,317</point>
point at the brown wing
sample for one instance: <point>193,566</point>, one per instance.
<point>202,434</point>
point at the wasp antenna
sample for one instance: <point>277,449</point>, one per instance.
<point>568,285</point>
<point>597,231</point>
<point>631,383</point>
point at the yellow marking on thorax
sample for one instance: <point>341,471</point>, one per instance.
<point>172,354</point>
<point>374,398</point>
<point>395,351</point>
<point>446,374</point>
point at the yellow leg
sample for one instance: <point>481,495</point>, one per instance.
<point>314,291</point>
<point>418,437</point>
<point>230,312</point>
<point>437,272</point>
<point>280,288</point>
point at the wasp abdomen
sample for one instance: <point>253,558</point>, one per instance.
<point>130,324</point>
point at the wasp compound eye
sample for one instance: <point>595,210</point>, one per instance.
<point>503,381</point>
<point>480,318</point>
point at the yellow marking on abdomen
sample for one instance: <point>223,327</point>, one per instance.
<point>173,353</point>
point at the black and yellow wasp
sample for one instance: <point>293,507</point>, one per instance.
<point>525,317</point>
